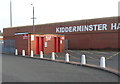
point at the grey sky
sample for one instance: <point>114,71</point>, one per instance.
<point>49,11</point>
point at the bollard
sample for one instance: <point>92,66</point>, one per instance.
<point>41,54</point>
<point>53,56</point>
<point>83,60</point>
<point>23,52</point>
<point>16,52</point>
<point>67,57</point>
<point>31,55</point>
<point>102,62</point>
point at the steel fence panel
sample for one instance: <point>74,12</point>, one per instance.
<point>8,46</point>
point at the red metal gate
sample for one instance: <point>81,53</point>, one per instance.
<point>58,44</point>
<point>37,45</point>
<point>55,44</point>
<point>42,44</point>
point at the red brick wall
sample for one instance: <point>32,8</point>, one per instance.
<point>81,40</point>
<point>21,44</point>
<point>93,41</point>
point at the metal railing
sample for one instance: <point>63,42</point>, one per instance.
<point>83,57</point>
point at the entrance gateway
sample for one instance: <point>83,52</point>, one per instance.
<point>47,43</point>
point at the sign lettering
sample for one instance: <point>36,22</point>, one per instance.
<point>95,27</point>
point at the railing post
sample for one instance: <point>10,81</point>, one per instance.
<point>23,52</point>
<point>41,54</point>
<point>83,59</point>
<point>102,62</point>
<point>53,56</point>
<point>16,52</point>
<point>32,54</point>
<point>67,57</point>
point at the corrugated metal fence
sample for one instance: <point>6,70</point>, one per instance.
<point>1,44</point>
<point>66,44</point>
<point>8,46</point>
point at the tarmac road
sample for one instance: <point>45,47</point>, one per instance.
<point>21,69</point>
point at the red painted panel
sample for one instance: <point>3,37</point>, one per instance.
<point>55,44</point>
<point>58,44</point>
<point>42,44</point>
<point>37,45</point>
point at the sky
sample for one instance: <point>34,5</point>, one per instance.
<point>51,11</point>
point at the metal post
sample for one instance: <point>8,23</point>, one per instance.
<point>33,19</point>
<point>41,54</point>
<point>53,56</point>
<point>83,60</point>
<point>102,62</point>
<point>10,13</point>
<point>23,52</point>
<point>67,57</point>
<point>16,52</point>
<point>32,54</point>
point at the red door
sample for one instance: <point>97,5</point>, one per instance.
<point>42,44</point>
<point>37,45</point>
<point>58,44</point>
<point>55,44</point>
